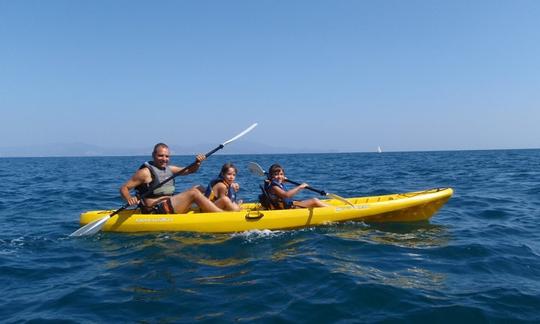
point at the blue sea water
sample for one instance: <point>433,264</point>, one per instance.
<point>476,260</point>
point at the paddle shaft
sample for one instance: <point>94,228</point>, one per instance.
<point>151,189</point>
<point>255,168</point>
<point>320,192</point>
<point>95,226</point>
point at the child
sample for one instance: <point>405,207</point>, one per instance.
<point>280,197</point>
<point>222,190</point>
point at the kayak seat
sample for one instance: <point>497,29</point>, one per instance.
<point>265,200</point>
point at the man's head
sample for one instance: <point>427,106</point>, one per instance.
<point>161,155</point>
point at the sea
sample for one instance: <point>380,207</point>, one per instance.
<point>476,261</point>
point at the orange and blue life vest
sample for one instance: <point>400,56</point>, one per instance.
<point>209,193</point>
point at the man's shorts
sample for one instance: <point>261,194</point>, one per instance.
<point>163,207</point>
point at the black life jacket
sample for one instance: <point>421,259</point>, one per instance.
<point>270,200</point>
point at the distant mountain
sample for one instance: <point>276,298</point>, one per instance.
<point>83,149</point>
<point>66,149</point>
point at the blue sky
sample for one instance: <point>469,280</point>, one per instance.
<point>331,75</point>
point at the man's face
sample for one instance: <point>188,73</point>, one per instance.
<point>161,157</point>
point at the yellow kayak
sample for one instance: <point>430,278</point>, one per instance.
<point>402,207</point>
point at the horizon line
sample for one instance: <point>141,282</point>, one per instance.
<point>277,153</point>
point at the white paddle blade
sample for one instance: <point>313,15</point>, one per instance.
<point>241,134</point>
<point>91,228</point>
<point>256,169</point>
<point>331,195</point>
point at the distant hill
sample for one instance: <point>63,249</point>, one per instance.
<point>83,149</point>
<point>65,149</point>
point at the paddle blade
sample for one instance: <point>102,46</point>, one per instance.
<point>334,196</point>
<point>91,228</point>
<point>256,169</point>
<point>247,130</point>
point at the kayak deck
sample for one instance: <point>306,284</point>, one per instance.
<point>402,207</point>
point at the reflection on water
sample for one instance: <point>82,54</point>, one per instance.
<point>190,260</point>
<point>290,249</point>
<point>409,236</point>
<point>225,278</point>
<point>416,235</point>
<point>192,239</point>
<point>413,277</point>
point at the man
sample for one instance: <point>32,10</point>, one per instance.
<point>162,200</point>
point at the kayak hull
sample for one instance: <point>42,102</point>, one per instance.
<point>403,207</point>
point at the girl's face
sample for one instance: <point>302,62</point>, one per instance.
<point>278,175</point>
<point>230,175</point>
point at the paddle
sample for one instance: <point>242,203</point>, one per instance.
<point>258,170</point>
<point>95,226</point>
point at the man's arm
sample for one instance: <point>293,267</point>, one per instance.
<point>140,177</point>
<point>192,169</point>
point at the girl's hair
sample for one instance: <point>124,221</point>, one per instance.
<point>273,169</point>
<point>225,168</point>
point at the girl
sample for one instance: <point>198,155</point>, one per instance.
<point>222,190</point>
<point>280,197</point>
